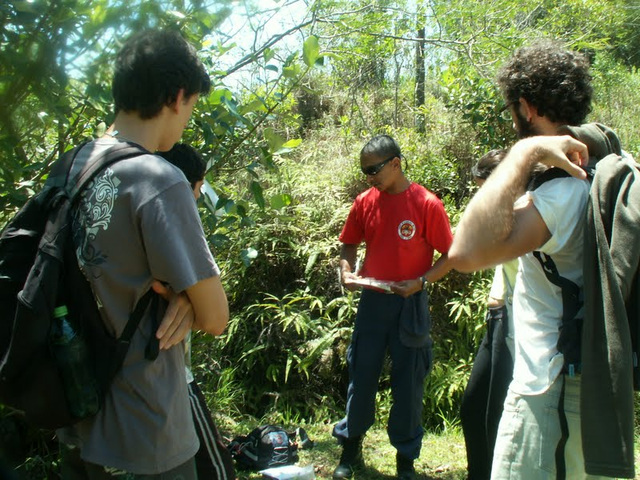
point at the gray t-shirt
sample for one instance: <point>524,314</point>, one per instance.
<point>137,222</point>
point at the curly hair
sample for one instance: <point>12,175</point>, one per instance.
<point>552,78</point>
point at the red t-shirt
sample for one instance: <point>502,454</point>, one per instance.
<point>401,232</point>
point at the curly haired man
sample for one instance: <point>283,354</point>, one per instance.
<point>547,89</point>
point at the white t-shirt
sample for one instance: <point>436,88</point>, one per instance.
<point>504,279</point>
<point>537,302</point>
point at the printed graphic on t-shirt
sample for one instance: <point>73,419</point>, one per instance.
<point>406,229</point>
<point>94,214</point>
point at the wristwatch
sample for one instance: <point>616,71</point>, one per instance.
<point>425,282</point>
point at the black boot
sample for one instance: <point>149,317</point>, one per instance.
<point>405,468</point>
<point>351,458</point>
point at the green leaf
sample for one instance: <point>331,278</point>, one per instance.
<point>216,97</point>
<point>268,54</point>
<point>293,143</point>
<point>218,239</point>
<point>287,368</point>
<point>280,201</point>
<point>256,189</point>
<point>256,105</point>
<point>274,140</point>
<point>311,262</point>
<point>291,71</point>
<point>311,51</point>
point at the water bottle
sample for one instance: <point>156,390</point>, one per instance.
<point>72,357</point>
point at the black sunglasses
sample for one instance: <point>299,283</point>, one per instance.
<point>506,106</point>
<point>375,169</point>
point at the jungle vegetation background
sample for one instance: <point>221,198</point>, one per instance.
<point>299,86</point>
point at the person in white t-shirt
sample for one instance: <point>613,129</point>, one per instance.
<point>545,86</point>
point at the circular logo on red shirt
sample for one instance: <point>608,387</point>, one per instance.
<point>406,230</point>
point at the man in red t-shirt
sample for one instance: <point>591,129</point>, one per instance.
<point>401,223</point>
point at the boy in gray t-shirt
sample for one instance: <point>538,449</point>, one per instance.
<point>135,228</point>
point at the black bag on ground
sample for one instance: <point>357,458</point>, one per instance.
<point>267,446</point>
<point>39,272</point>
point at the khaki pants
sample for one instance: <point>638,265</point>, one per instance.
<point>529,433</point>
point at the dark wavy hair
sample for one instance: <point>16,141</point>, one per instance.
<point>150,70</point>
<point>187,159</point>
<point>487,163</point>
<point>552,78</point>
<point>381,146</point>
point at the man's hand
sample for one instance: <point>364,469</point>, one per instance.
<point>347,278</point>
<point>563,152</point>
<point>406,288</point>
<point>177,320</point>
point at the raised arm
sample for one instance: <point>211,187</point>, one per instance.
<point>492,230</point>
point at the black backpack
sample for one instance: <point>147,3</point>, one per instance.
<point>38,272</point>
<point>267,446</point>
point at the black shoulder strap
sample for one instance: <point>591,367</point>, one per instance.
<point>549,174</point>
<point>571,302</point>
<point>151,351</point>
<point>118,152</point>
<point>62,166</point>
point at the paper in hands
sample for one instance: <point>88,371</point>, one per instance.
<point>369,282</point>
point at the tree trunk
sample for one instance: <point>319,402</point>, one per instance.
<point>420,80</point>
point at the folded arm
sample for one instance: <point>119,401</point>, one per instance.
<point>202,306</point>
<point>210,305</point>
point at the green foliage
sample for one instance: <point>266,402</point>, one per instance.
<point>617,102</point>
<point>290,325</point>
<point>53,90</point>
<point>32,453</point>
<point>478,101</point>
<point>274,379</point>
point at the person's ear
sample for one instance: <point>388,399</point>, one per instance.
<point>527,109</point>
<point>179,100</point>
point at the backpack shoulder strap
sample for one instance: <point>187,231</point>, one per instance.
<point>152,348</point>
<point>74,186</point>
<point>118,152</point>
<point>62,166</point>
<point>571,302</point>
<point>549,174</point>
